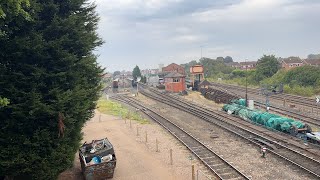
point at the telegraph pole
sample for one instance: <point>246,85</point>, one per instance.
<point>246,82</point>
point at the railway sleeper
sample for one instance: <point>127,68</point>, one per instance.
<point>270,145</point>
<point>228,175</point>
<point>223,170</point>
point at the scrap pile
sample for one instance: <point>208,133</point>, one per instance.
<point>97,159</point>
<point>218,96</point>
<point>272,121</point>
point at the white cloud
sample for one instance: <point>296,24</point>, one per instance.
<point>148,31</point>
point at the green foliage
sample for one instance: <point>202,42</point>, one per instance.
<point>299,90</point>
<point>228,59</point>
<point>314,56</point>
<point>213,67</point>
<point>276,78</point>
<point>116,73</point>
<point>188,65</point>
<point>266,67</point>
<point>4,102</point>
<point>47,67</point>
<point>136,72</point>
<point>10,10</point>
<point>116,109</point>
<point>303,76</point>
<point>143,79</point>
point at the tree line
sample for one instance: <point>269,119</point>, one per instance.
<point>50,82</point>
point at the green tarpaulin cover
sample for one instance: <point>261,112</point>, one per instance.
<point>269,120</point>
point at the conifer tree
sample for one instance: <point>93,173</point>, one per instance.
<point>50,74</point>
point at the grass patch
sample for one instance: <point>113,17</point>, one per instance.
<point>116,109</point>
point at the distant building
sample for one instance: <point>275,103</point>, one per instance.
<point>248,65</point>
<point>173,67</point>
<point>233,64</point>
<point>175,82</point>
<point>312,62</point>
<point>291,62</point>
<point>153,81</point>
<point>149,72</point>
<point>160,67</point>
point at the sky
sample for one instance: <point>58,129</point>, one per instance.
<point>151,32</point>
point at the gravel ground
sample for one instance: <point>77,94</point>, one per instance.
<point>240,153</point>
<point>136,158</point>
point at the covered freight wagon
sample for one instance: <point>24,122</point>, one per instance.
<point>266,119</point>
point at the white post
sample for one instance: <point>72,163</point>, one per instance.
<point>137,88</point>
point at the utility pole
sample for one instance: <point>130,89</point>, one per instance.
<point>123,81</point>
<point>246,82</point>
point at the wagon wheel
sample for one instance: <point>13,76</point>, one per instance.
<point>293,130</point>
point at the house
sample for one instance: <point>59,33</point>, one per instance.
<point>173,67</point>
<point>175,82</point>
<point>233,64</point>
<point>312,62</point>
<point>291,62</point>
<point>248,65</point>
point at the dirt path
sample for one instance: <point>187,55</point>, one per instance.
<point>137,159</point>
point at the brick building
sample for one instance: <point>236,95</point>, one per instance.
<point>175,82</point>
<point>291,62</point>
<point>248,65</point>
<point>173,67</point>
<point>312,62</point>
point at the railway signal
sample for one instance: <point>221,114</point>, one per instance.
<point>268,90</point>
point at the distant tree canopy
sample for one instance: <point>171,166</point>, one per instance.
<point>212,67</point>
<point>51,76</point>
<point>266,67</point>
<point>136,72</point>
<point>220,59</point>
<point>116,73</point>
<point>314,56</point>
<point>188,65</point>
<point>228,59</point>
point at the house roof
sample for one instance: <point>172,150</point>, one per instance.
<point>204,83</point>
<point>174,75</point>
<point>233,64</point>
<point>248,63</point>
<point>312,61</point>
<point>292,60</point>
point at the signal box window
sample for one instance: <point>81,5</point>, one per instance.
<point>176,79</point>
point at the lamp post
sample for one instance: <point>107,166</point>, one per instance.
<point>201,51</point>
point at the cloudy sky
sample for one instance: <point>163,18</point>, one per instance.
<point>149,32</point>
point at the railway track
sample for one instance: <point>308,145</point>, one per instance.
<point>304,101</point>
<point>287,112</point>
<point>281,145</point>
<point>219,166</point>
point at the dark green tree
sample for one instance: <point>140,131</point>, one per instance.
<point>116,73</point>
<point>50,74</point>
<point>266,67</point>
<point>220,59</point>
<point>136,72</point>
<point>228,59</point>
